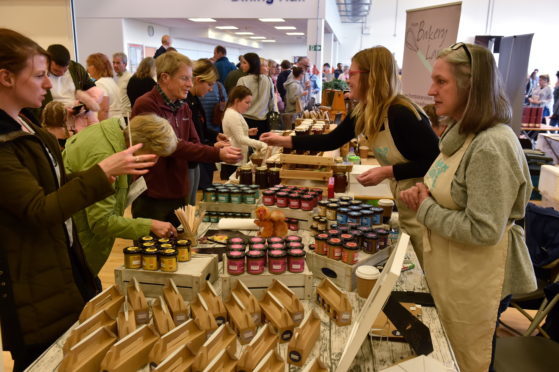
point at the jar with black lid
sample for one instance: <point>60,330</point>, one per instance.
<point>331,211</point>
<point>273,176</point>
<point>261,178</point>
<point>294,201</point>
<point>210,194</point>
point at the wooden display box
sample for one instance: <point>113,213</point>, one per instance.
<point>342,274</point>
<point>229,207</point>
<point>299,283</point>
<point>189,278</point>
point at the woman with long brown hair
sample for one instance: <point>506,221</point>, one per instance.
<point>100,68</point>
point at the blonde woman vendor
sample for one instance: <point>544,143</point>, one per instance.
<point>396,128</point>
<point>474,253</point>
<point>236,128</point>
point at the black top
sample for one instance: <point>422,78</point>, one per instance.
<point>414,138</point>
<point>138,87</point>
<point>282,78</point>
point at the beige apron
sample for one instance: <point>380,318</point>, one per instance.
<point>387,153</point>
<point>466,280</point>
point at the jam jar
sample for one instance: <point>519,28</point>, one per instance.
<point>294,201</point>
<point>366,217</point>
<point>261,178</point>
<point>331,211</point>
<point>236,196</point>
<point>268,198</point>
<point>277,261</point>
<point>307,203</point>
<point>370,242</point>
<point>256,240</point>
<point>248,197</point>
<point>340,182</point>
<point>235,262</point>
<point>210,194</point>
<point>282,200</point>
<point>377,215</point>
<point>296,260</point>
<point>322,206</point>
<point>292,224</point>
<point>275,240</point>
<point>256,261</point>
<point>149,259</point>
<point>382,238</point>
<point>320,244</point>
<point>341,216</point>
<point>168,260</point>
<point>354,217</point>
<point>334,248</point>
<point>350,253</point>
<point>273,176</point>
<point>245,175</point>
<point>183,250</point>
<point>132,257</point>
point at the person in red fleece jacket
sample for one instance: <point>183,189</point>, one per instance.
<point>167,181</point>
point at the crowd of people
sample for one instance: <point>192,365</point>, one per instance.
<point>538,93</point>
<point>61,211</point>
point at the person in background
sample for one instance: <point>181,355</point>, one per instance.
<point>282,77</point>
<point>45,279</point>
<point>338,71</point>
<point>531,84</point>
<point>542,96</point>
<point>344,76</point>
<point>101,223</point>
<point>100,69</point>
<point>438,124</point>
<point>205,76</point>
<point>395,128</point>
<point>53,119</point>
<point>264,70</point>
<point>166,42</point>
<point>236,128</point>
<point>222,63</point>
<point>554,119</point>
<point>327,74</point>
<point>167,182</point>
<point>142,81</point>
<point>121,78</point>
<point>273,72</point>
<point>234,76</point>
<point>262,90</point>
<point>305,64</point>
<point>474,253</point>
<point>218,95</point>
<point>294,91</point>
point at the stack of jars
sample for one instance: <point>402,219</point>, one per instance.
<point>153,254</point>
<point>214,217</point>
<point>264,176</point>
<point>230,193</point>
<point>293,197</point>
<point>344,242</point>
<point>276,254</point>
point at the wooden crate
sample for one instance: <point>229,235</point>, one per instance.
<point>189,277</point>
<point>229,207</point>
<point>299,283</point>
<point>342,274</point>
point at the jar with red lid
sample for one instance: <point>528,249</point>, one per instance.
<point>235,262</point>
<point>294,201</point>
<point>365,229</point>
<point>256,261</point>
<point>321,245</point>
<point>259,247</point>
<point>370,242</point>
<point>318,192</point>
<point>307,202</point>
<point>294,245</point>
<point>293,238</point>
<point>350,253</point>
<point>268,198</point>
<point>302,189</point>
<point>236,240</point>
<point>334,233</point>
<point>292,224</point>
<point>334,248</point>
<point>353,225</point>
<point>236,247</point>
<point>346,237</point>
<point>275,239</point>
<point>256,240</point>
<point>281,199</point>
<point>343,229</point>
<point>277,261</point>
<point>296,260</point>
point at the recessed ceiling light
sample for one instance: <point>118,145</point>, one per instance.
<point>285,27</point>
<point>202,19</point>
<point>244,33</point>
<point>226,27</point>
<point>294,33</point>
<point>267,41</point>
<point>257,37</point>
<point>271,19</point>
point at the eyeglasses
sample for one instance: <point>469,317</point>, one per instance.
<point>355,72</point>
<point>462,45</point>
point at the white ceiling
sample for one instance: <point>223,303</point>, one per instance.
<point>185,29</point>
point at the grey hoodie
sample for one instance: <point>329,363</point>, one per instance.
<point>293,92</point>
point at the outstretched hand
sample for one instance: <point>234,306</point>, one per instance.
<point>125,162</point>
<point>274,139</point>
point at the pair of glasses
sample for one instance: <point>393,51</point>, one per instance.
<point>462,45</point>
<point>355,72</point>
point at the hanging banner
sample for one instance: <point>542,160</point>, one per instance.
<point>428,30</point>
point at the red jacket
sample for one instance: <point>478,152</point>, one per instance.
<point>168,178</point>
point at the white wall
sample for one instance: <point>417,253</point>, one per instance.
<point>279,52</point>
<point>96,35</point>
<point>45,21</point>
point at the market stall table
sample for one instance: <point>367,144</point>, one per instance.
<point>374,354</point>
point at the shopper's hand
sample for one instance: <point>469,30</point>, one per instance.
<point>125,162</point>
<point>222,137</point>
<point>230,154</point>
<point>163,229</point>
<point>305,93</point>
<point>415,195</point>
<point>252,131</point>
<point>374,176</point>
<point>274,139</point>
<point>222,144</point>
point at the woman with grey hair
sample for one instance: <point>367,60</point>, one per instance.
<point>99,224</point>
<point>474,254</point>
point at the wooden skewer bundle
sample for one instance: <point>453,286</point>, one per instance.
<point>190,221</point>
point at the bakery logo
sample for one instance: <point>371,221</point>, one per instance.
<point>269,2</point>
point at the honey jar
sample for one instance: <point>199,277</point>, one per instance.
<point>168,260</point>
<point>132,257</point>
<point>183,250</point>
<point>149,259</point>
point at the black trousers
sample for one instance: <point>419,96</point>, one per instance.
<point>22,359</point>
<point>261,125</point>
<point>157,209</point>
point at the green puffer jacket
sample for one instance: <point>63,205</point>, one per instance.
<point>99,224</point>
<point>44,282</point>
